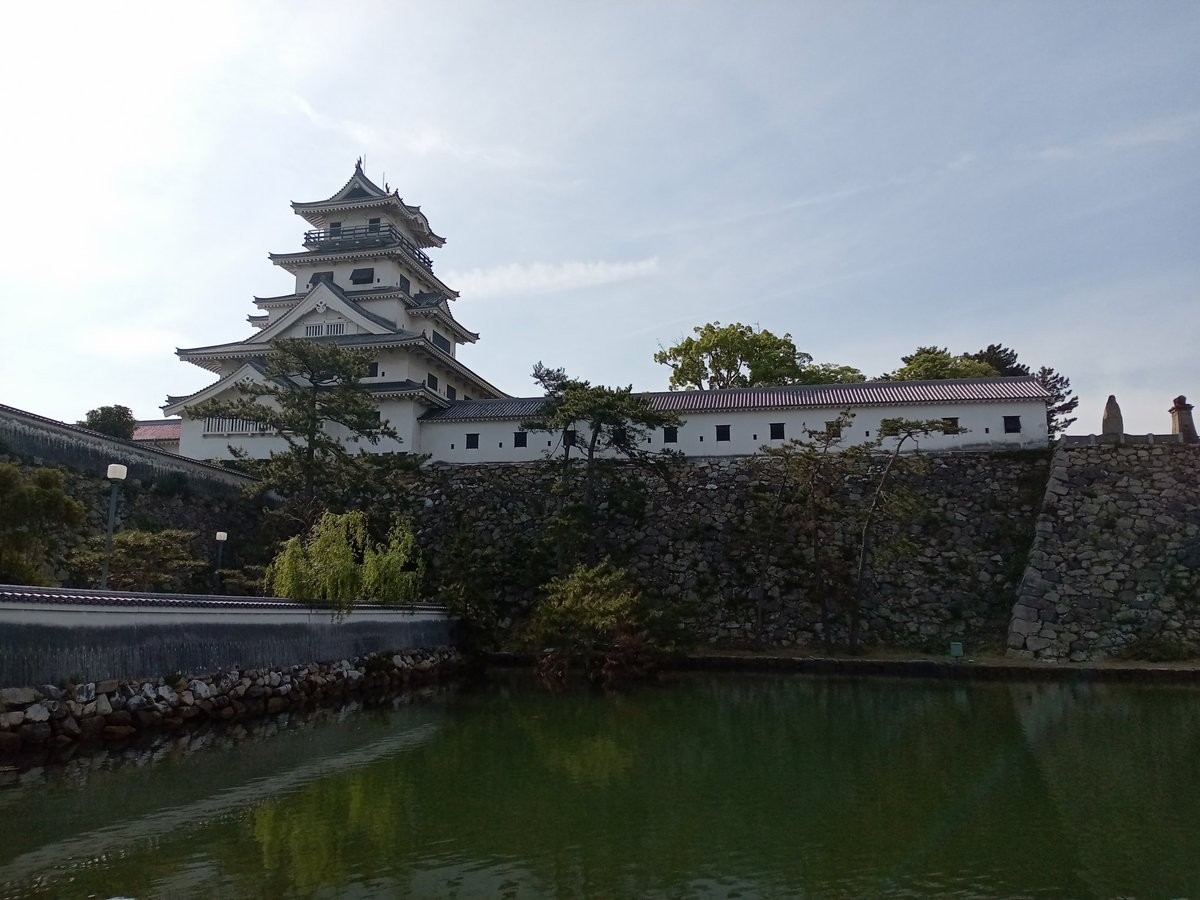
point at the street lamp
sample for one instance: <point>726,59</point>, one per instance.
<point>116,474</point>
<point>222,537</point>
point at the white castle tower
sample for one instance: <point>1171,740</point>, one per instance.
<point>363,281</point>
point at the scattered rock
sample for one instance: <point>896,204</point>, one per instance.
<point>11,697</point>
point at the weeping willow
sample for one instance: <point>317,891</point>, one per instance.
<point>339,564</point>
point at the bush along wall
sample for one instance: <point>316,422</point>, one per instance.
<point>737,572</point>
<point>163,503</point>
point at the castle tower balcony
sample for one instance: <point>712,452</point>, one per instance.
<point>360,237</point>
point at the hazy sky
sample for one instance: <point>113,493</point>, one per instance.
<point>869,177</point>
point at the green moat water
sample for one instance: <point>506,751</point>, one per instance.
<point>708,787</point>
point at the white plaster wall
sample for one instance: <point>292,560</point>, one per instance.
<point>749,431</point>
<point>401,414</point>
<point>387,274</point>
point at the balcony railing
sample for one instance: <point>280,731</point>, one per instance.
<point>358,237</point>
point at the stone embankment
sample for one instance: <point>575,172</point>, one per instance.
<point>1116,560</point>
<point>696,539</point>
<point>116,711</point>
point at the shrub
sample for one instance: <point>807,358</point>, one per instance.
<point>597,614</point>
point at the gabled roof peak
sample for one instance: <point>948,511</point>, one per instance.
<point>359,187</point>
<point>360,192</point>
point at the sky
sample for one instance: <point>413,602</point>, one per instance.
<point>869,177</point>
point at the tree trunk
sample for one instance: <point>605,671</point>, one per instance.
<point>864,549</point>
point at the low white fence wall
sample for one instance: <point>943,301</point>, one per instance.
<point>49,635</point>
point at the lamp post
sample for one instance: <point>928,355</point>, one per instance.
<point>116,474</point>
<point>222,537</point>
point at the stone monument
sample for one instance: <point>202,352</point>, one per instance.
<point>1112,427</point>
<point>1182,422</point>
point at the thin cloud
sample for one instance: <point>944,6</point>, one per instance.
<point>544,278</point>
<point>430,141</point>
<point>362,134</point>
<point>1170,130</point>
<point>778,209</point>
<point>1161,131</point>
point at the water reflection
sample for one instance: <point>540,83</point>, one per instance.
<point>713,787</point>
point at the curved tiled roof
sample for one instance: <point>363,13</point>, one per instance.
<point>839,396</point>
<point>158,430</point>
<point>15,593</point>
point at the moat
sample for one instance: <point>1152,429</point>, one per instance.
<point>709,786</point>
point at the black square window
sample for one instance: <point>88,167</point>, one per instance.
<point>670,435</point>
<point>335,229</point>
<point>951,423</point>
<point>318,277</point>
<point>372,226</point>
<point>432,381</point>
<point>362,276</point>
<point>403,283</point>
<point>722,432</point>
<point>441,342</point>
<point>569,438</point>
<point>777,431</point>
<point>519,438</point>
<point>451,393</point>
<point>1012,424</point>
<point>472,441</point>
<point>372,370</point>
<point>834,428</point>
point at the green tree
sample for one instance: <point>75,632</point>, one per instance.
<point>36,512</point>
<point>596,425</point>
<point>143,561</point>
<point>852,512</point>
<point>339,564</point>
<point>938,363</point>
<point>739,356</point>
<point>799,505</point>
<point>1062,399</point>
<point>309,388</point>
<point>115,421</point>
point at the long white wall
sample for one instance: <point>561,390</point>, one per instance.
<point>750,431</point>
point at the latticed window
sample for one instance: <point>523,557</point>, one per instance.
<point>224,425</point>
<point>335,327</point>
<point>313,330</point>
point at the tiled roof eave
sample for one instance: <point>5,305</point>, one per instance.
<point>437,354</point>
<point>886,395</point>
<point>449,321</point>
<point>287,261</point>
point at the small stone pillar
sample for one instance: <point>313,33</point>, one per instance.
<point>1112,427</point>
<point>1182,422</point>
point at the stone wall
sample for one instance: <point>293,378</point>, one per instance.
<point>1116,561</point>
<point>691,542</point>
<point>57,717</point>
